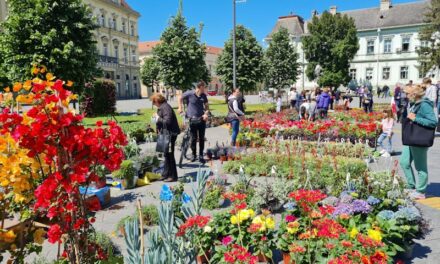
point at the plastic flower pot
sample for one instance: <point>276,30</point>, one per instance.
<point>286,258</point>
<point>263,258</point>
<point>202,259</point>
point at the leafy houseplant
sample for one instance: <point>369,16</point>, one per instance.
<point>127,173</point>
<point>212,197</point>
<point>150,215</point>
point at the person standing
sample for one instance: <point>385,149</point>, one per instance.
<point>292,97</point>
<point>337,96</point>
<point>367,101</point>
<point>235,114</point>
<point>421,112</point>
<point>323,103</point>
<point>197,113</point>
<point>279,103</point>
<point>166,120</point>
<point>398,101</point>
<point>431,91</point>
<point>387,133</point>
<point>300,99</point>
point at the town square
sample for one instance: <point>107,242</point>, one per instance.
<point>243,131</point>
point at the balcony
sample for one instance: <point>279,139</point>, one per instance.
<point>107,59</point>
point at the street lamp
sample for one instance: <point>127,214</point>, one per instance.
<point>377,62</point>
<point>234,52</point>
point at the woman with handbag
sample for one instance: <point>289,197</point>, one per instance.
<point>168,129</point>
<point>417,135</point>
<point>235,114</point>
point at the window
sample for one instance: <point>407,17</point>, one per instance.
<point>135,89</point>
<point>370,46</point>
<point>116,52</point>
<point>369,74</point>
<point>387,46</point>
<point>133,55</point>
<point>127,84</point>
<point>114,23</point>
<point>125,55</point>
<point>132,29</point>
<point>405,44</point>
<point>353,74</point>
<point>124,29</point>
<point>105,49</point>
<point>118,88</point>
<point>118,77</point>
<point>386,73</point>
<point>404,72</point>
<point>102,20</point>
<point>135,78</point>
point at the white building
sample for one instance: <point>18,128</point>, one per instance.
<point>388,42</point>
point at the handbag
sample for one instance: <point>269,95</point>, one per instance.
<point>163,141</point>
<point>416,135</point>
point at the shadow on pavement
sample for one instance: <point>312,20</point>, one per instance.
<point>420,252</point>
<point>433,189</point>
<point>131,197</point>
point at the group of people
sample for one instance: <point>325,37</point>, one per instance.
<point>313,104</point>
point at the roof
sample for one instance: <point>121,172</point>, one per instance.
<point>293,23</point>
<point>214,50</point>
<point>127,6</point>
<point>398,15</point>
<point>146,47</point>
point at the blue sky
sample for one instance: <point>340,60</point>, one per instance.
<point>258,15</point>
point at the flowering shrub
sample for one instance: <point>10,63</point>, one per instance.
<point>53,136</point>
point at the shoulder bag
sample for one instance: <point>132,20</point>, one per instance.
<point>416,135</point>
<point>163,140</point>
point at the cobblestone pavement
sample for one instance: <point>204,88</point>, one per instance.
<point>426,251</point>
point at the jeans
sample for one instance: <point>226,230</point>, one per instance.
<point>170,168</point>
<point>418,155</point>
<point>380,140</point>
<point>322,113</point>
<point>198,134</point>
<point>293,104</point>
<point>235,124</point>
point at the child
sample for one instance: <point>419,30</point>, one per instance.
<point>387,133</point>
<point>279,103</point>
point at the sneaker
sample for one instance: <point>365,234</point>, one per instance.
<point>202,160</point>
<point>417,196</point>
<point>386,155</point>
<point>382,152</point>
<point>194,158</point>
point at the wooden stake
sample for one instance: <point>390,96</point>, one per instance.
<point>141,227</point>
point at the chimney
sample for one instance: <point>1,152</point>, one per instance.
<point>333,10</point>
<point>385,5</point>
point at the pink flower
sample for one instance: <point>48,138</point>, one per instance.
<point>290,218</point>
<point>226,240</point>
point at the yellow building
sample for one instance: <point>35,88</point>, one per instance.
<point>212,54</point>
<point>117,41</point>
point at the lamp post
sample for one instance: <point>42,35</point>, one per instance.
<point>234,51</point>
<point>377,62</point>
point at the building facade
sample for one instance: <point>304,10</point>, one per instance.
<point>212,54</point>
<point>116,41</point>
<point>388,43</point>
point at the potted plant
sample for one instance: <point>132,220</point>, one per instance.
<point>262,236</point>
<point>127,173</point>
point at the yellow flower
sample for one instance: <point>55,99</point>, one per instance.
<point>50,76</point>
<point>354,232</point>
<point>69,84</point>
<point>375,234</point>
<point>8,236</point>
<point>292,227</point>
<point>39,236</point>
<point>27,85</point>
<point>43,69</point>
<point>7,89</point>
<point>17,87</point>
<point>35,70</point>
<point>234,220</point>
<point>270,223</point>
<point>355,195</point>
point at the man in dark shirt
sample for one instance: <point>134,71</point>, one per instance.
<point>197,113</point>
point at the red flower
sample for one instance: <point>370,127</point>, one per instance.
<point>193,222</point>
<point>54,233</point>
<point>290,218</point>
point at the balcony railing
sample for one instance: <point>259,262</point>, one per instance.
<point>107,59</point>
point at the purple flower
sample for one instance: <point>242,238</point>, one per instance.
<point>361,206</point>
<point>343,209</point>
<point>346,198</point>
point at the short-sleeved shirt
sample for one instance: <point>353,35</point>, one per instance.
<point>196,104</point>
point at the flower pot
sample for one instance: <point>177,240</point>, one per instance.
<point>202,259</point>
<point>263,258</point>
<point>286,258</point>
<point>101,183</point>
<point>223,158</point>
<point>122,230</point>
<point>230,158</point>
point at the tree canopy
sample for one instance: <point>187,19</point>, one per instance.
<point>150,71</point>
<point>282,61</point>
<point>429,53</point>
<point>331,44</point>
<point>181,55</point>
<point>250,61</point>
<point>54,33</point>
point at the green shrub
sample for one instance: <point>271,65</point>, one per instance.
<point>127,171</point>
<point>150,215</point>
<point>99,98</point>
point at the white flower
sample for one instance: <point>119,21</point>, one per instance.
<point>207,229</point>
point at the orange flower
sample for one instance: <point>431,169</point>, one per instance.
<point>27,85</point>
<point>7,89</point>
<point>17,87</point>
<point>35,70</point>
<point>43,69</point>
<point>50,76</point>
<point>69,84</point>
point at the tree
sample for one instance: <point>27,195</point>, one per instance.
<point>331,45</point>
<point>429,55</point>
<point>250,61</point>
<point>54,33</point>
<point>180,54</point>
<point>150,72</point>
<point>282,61</point>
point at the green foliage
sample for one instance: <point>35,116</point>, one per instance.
<point>180,55</point>
<point>150,215</point>
<point>212,197</point>
<point>132,150</point>
<point>150,71</point>
<point>282,61</point>
<point>54,33</point>
<point>331,44</point>
<point>429,55</point>
<point>99,98</point>
<point>250,61</point>
<point>127,172</point>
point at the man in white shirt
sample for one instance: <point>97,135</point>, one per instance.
<point>431,90</point>
<point>293,95</point>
